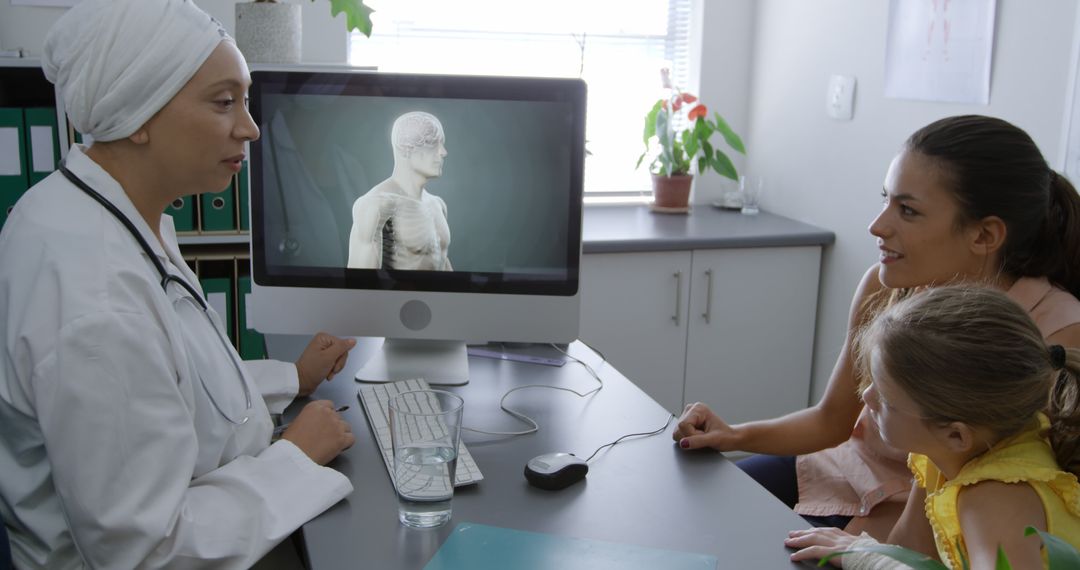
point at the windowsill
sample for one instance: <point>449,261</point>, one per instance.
<point>594,200</point>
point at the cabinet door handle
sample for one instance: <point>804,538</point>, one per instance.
<point>678,297</point>
<point>708,295</point>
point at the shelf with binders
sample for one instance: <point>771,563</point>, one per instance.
<point>225,277</point>
<point>214,217</point>
<point>29,141</point>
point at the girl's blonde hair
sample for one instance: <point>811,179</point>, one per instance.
<point>971,354</point>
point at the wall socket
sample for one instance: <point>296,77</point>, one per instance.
<point>840,98</point>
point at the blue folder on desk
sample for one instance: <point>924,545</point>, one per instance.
<point>480,547</point>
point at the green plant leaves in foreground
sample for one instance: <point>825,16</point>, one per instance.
<point>1060,555</point>
<point>916,560</point>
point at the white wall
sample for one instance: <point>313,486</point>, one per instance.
<point>829,173</point>
<point>324,39</point>
<point>722,36</point>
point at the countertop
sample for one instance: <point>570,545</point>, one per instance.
<point>624,229</point>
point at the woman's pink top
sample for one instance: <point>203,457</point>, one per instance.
<point>864,471</point>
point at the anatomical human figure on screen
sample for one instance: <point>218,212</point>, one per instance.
<point>398,224</point>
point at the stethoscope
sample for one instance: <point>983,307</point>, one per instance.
<point>167,278</point>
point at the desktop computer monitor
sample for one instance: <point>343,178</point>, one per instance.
<point>430,210</point>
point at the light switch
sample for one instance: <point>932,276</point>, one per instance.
<point>840,98</point>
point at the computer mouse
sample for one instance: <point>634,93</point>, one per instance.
<point>554,471</point>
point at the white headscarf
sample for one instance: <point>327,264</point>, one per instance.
<point>118,62</point>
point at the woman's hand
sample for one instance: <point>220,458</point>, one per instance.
<point>817,543</point>
<point>324,357</point>
<point>320,432</point>
<point>701,427</point>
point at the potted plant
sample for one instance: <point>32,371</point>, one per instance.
<point>269,31</point>
<point>676,153</point>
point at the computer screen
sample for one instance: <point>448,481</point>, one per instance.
<point>428,207</point>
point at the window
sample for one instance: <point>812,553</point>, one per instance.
<point>617,46</point>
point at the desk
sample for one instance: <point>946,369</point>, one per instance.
<point>642,491</point>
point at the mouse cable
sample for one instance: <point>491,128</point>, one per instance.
<point>585,364</point>
<point>535,427</point>
<point>643,434</point>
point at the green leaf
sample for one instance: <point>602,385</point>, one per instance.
<point>650,122</point>
<point>916,560</point>
<point>691,143</point>
<point>723,166</point>
<point>660,128</point>
<point>702,129</point>
<point>667,160</point>
<point>1059,554</point>
<point>732,139</point>
<point>680,162</point>
<point>665,165</point>
<point>1002,562</point>
<point>357,14</point>
<point>671,148</point>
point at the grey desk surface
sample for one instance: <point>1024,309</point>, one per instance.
<point>616,229</point>
<point>643,491</point>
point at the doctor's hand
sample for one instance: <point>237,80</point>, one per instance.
<point>701,427</point>
<point>320,432</point>
<point>324,356</point>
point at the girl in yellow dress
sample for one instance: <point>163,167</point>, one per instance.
<point>962,379</point>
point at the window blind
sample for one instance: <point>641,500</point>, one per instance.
<point>617,46</point>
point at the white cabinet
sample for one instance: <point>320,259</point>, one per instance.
<point>634,310</point>
<point>751,357</point>
<point>730,327</point>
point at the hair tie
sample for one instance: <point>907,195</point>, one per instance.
<point>1057,356</point>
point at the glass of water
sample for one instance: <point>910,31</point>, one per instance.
<point>750,187</point>
<point>425,431</point>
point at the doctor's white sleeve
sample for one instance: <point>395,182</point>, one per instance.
<point>277,381</point>
<point>121,442</point>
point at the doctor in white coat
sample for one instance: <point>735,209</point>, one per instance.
<point>131,434</point>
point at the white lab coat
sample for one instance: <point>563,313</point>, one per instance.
<point>111,454</point>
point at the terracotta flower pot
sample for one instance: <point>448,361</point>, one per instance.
<point>671,191</point>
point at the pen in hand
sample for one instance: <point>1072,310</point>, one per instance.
<point>281,428</point>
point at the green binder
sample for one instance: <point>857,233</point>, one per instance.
<point>243,191</point>
<point>13,177</point>
<point>42,143</point>
<point>219,210</point>
<point>182,211</point>
<point>219,295</point>
<point>252,344</point>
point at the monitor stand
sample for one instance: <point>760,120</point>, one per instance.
<point>440,362</point>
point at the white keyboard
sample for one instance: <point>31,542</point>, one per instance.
<point>376,401</point>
